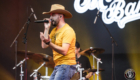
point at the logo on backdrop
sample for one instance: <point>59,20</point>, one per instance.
<point>129,74</point>
<point>118,11</point>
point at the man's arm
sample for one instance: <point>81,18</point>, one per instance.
<point>43,36</point>
<point>89,75</point>
<point>62,50</point>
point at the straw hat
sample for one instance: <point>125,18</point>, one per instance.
<point>57,8</point>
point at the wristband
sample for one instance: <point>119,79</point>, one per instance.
<point>48,43</point>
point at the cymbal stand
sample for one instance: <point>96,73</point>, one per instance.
<point>35,72</point>
<point>93,64</point>
<point>78,66</point>
<point>46,76</point>
<point>98,61</point>
<point>21,71</point>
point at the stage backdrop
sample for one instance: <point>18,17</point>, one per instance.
<point>120,17</point>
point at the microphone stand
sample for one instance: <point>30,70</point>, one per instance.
<point>25,42</point>
<point>15,41</point>
<point>113,41</point>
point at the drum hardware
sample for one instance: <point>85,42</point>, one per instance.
<point>44,77</point>
<point>35,72</point>
<point>38,75</point>
<point>40,58</point>
<point>94,51</point>
<point>48,61</point>
<point>98,61</point>
<point>21,71</point>
<point>92,70</point>
<point>78,66</point>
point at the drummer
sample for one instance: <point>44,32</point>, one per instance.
<point>83,61</point>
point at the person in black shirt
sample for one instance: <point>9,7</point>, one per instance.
<point>83,61</point>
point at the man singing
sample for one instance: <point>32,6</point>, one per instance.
<point>62,41</point>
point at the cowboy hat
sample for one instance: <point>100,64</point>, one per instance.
<point>57,8</point>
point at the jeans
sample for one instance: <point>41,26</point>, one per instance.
<point>63,72</point>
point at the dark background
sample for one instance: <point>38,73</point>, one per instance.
<point>14,13</point>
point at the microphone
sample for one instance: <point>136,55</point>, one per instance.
<point>33,13</point>
<point>96,17</point>
<point>41,21</point>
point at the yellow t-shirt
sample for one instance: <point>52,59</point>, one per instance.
<point>64,35</point>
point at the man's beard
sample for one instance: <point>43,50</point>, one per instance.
<point>54,23</point>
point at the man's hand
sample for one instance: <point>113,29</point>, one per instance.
<point>47,25</point>
<point>89,75</point>
<point>45,40</point>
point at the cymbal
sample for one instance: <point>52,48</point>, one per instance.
<point>92,70</point>
<point>38,58</point>
<point>95,51</point>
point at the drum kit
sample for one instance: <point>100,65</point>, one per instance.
<point>47,61</point>
<point>87,52</point>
